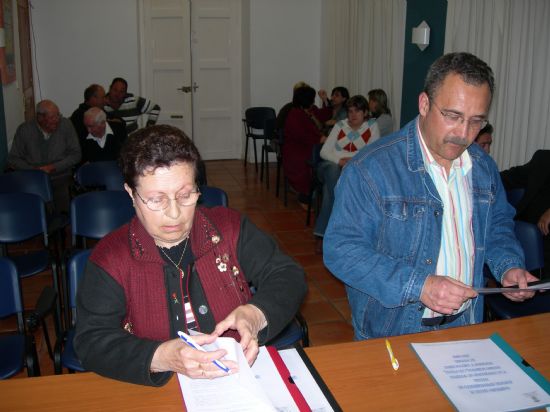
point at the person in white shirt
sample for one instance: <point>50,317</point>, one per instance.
<point>104,138</point>
<point>345,140</point>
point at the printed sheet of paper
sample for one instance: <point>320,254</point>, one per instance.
<point>236,392</point>
<point>535,286</point>
<point>477,375</point>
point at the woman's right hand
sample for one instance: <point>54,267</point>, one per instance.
<point>176,356</point>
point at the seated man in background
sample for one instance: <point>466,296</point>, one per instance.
<point>48,143</point>
<point>417,214</point>
<point>121,104</point>
<point>104,138</point>
<point>534,206</point>
<point>485,138</point>
<point>94,96</point>
<point>344,141</point>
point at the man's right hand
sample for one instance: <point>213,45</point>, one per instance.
<point>544,222</point>
<point>445,295</point>
<point>47,168</point>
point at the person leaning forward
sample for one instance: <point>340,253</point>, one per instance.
<point>419,213</point>
<point>176,266</point>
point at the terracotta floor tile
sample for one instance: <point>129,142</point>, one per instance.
<point>313,294</point>
<point>320,312</point>
<point>332,288</point>
<point>342,306</point>
<point>319,272</point>
<point>330,332</point>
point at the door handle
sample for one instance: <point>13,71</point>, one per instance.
<point>188,89</point>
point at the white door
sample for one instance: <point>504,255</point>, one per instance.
<point>166,63</point>
<point>191,65</point>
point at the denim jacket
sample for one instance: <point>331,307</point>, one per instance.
<point>384,233</point>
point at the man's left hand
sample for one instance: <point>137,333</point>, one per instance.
<point>520,278</point>
<point>248,320</point>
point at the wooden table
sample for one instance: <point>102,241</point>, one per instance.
<point>359,374</point>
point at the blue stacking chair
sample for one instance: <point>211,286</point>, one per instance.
<point>104,175</point>
<point>16,350</point>
<point>95,214</point>
<point>23,217</point>
<point>213,196</point>
<point>36,182</point>
<point>532,244</point>
<point>64,354</point>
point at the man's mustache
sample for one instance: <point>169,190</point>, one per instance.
<point>457,140</point>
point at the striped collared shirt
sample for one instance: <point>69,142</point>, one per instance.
<point>457,249</point>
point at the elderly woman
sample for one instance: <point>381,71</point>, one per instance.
<point>177,266</point>
<point>344,141</point>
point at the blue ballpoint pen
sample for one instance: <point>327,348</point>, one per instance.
<point>189,340</point>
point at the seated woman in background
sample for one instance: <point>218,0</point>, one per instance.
<point>378,107</point>
<point>337,104</point>
<point>283,113</point>
<point>176,266</point>
<point>302,132</point>
<point>345,140</point>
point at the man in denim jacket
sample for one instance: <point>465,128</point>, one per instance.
<point>418,213</point>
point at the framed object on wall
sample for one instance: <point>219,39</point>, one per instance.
<point>7,46</point>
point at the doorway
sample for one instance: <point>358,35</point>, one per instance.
<point>191,66</point>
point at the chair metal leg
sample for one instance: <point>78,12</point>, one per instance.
<point>266,169</point>
<point>255,155</point>
<point>278,178</point>
<point>285,190</point>
<point>262,165</point>
<point>246,152</point>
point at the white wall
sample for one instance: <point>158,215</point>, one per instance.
<point>285,48</point>
<point>80,42</point>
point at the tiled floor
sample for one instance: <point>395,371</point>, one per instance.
<point>325,306</point>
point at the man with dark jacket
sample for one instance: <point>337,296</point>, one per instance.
<point>534,206</point>
<point>94,96</point>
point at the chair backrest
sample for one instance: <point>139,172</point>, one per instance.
<point>27,181</point>
<point>514,196</point>
<point>270,128</point>
<point>75,270</point>
<point>10,294</point>
<point>22,216</point>
<point>95,214</point>
<point>531,241</point>
<point>213,196</point>
<point>255,118</point>
<point>105,174</point>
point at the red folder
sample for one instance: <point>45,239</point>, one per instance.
<point>287,379</point>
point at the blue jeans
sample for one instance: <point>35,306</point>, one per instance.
<point>328,173</point>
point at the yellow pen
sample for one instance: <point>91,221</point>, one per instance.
<point>393,359</point>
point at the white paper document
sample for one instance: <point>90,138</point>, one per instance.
<point>259,388</point>
<point>476,375</point>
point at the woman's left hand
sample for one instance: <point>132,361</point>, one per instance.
<point>248,320</point>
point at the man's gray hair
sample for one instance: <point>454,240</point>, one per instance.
<point>96,114</point>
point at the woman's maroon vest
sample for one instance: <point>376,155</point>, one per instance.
<point>131,257</point>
